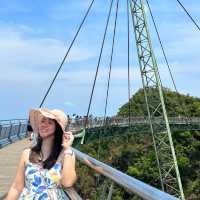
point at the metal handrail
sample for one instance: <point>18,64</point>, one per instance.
<point>15,119</point>
<point>135,186</point>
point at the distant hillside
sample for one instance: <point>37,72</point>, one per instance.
<point>176,104</point>
<point>134,154</point>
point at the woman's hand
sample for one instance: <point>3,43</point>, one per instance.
<point>67,139</point>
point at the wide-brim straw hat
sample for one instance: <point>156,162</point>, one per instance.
<point>56,114</point>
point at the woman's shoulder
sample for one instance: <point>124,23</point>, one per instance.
<point>25,154</point>
<point>26,150</point>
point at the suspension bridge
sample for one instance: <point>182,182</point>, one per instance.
<point>157,123</point>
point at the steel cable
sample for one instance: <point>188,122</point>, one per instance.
<point>98,64</point>
<point>166,60</point>
<point>80,26</point>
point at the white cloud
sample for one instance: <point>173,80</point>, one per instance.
<point>29,58</point>
<point>69,104</point>
<point>86,76</point>
<point>25,55</point>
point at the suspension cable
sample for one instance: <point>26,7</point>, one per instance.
<point>189,15</point>
<point>110,70</point>
<point>128,45</point>
<point>163,51</point>
<point>98,64</point>
<point>111,59</point>
<point>67,53</point>
<point>165,57</point>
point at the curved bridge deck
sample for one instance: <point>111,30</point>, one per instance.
<point>9,157</point>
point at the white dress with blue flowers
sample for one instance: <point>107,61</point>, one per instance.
<point>43,184</point>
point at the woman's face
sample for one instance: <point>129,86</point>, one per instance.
<point>47,127</point>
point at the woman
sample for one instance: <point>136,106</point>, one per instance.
<point>46,168</point>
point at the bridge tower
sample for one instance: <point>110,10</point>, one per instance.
<point>161,133</point>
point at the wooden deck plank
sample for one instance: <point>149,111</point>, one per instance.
<point>9,158</point>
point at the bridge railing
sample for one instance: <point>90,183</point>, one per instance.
<point>12,130</point>
<point>124,121</point>
<point>133,185</point>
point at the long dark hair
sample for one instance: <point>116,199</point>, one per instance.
<point>56,149</point>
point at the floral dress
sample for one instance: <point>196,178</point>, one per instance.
<point>43,184</point>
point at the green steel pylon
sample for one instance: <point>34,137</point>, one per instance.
<point>161,133</point>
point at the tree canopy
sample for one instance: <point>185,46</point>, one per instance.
<point>176,104</point>
<point>133,153</point>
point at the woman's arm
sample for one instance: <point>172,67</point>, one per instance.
<point>18,183</point>
<point>68,171</point>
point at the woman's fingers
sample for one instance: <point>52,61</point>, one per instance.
<point>68,135</point>
<point>67,139</point>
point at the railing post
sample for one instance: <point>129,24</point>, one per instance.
<point>110,191</point>
<point>0,135</point>
<point>0,130</point>
<point>19,129</point>
<point>10,132</point>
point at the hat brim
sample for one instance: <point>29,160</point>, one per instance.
<point>35,115</point>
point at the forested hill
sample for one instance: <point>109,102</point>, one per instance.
<point>176,104</point>
<point>133,153</point>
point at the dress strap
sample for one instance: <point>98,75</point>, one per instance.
<point>28,154</point>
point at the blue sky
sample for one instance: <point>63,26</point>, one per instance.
<point>34,36</point>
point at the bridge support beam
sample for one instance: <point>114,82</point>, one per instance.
<point>152,86</point>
